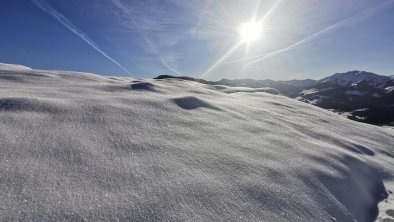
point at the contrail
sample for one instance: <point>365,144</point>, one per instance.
<point>158,54</point>
<point>309,38</point>
<point>155,51</point>
<point>43,5</point>
<point>292,46</point>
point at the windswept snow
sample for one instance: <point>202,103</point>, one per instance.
<point>389,89</point>
<point>81,147</point>
<point>4,66</point>
<point>386,211</point>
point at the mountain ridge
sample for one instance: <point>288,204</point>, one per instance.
<point>359,95</point>
<point>345,93</point>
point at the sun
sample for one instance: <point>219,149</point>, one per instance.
<point>250,31</point>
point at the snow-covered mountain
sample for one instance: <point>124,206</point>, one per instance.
<point>359,95</point>
<point>83,147</point>
<point>349,79</point>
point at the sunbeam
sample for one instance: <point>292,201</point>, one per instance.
<point>249,32</point>
<point>225,56</point>
<point>257,58</point>
<point>149,43</point>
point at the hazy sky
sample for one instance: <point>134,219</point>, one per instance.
<point>200,38</point>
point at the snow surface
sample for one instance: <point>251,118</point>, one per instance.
<point>314,91</point>
<point>389,89</point>
<point>4,66</point>
<point>386,211</point>
<point>78,147</point>
<point>309,91</point>
<point>361,110</point>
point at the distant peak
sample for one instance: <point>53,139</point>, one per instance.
<point>356,72</point>
<point>352,77</point>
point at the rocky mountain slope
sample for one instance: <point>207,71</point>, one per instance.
<point>362,96</point>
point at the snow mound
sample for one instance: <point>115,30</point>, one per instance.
<point>4,66</point>
<point>25,104</point>
<point>191,102</point>
<point>138,85</point>
<point>82,147</point>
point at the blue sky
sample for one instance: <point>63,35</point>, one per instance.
<point>199,38</point>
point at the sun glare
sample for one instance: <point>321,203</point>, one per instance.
<point>250,31</point>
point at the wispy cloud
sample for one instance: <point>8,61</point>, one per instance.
<point>141,27</point>
<point>43,5</point>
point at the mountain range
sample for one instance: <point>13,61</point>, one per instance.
<point>361,96</point>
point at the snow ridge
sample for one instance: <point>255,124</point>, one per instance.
<point>4,66</point>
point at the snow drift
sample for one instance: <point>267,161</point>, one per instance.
<point>5,66</point>
<point>77,146</point>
